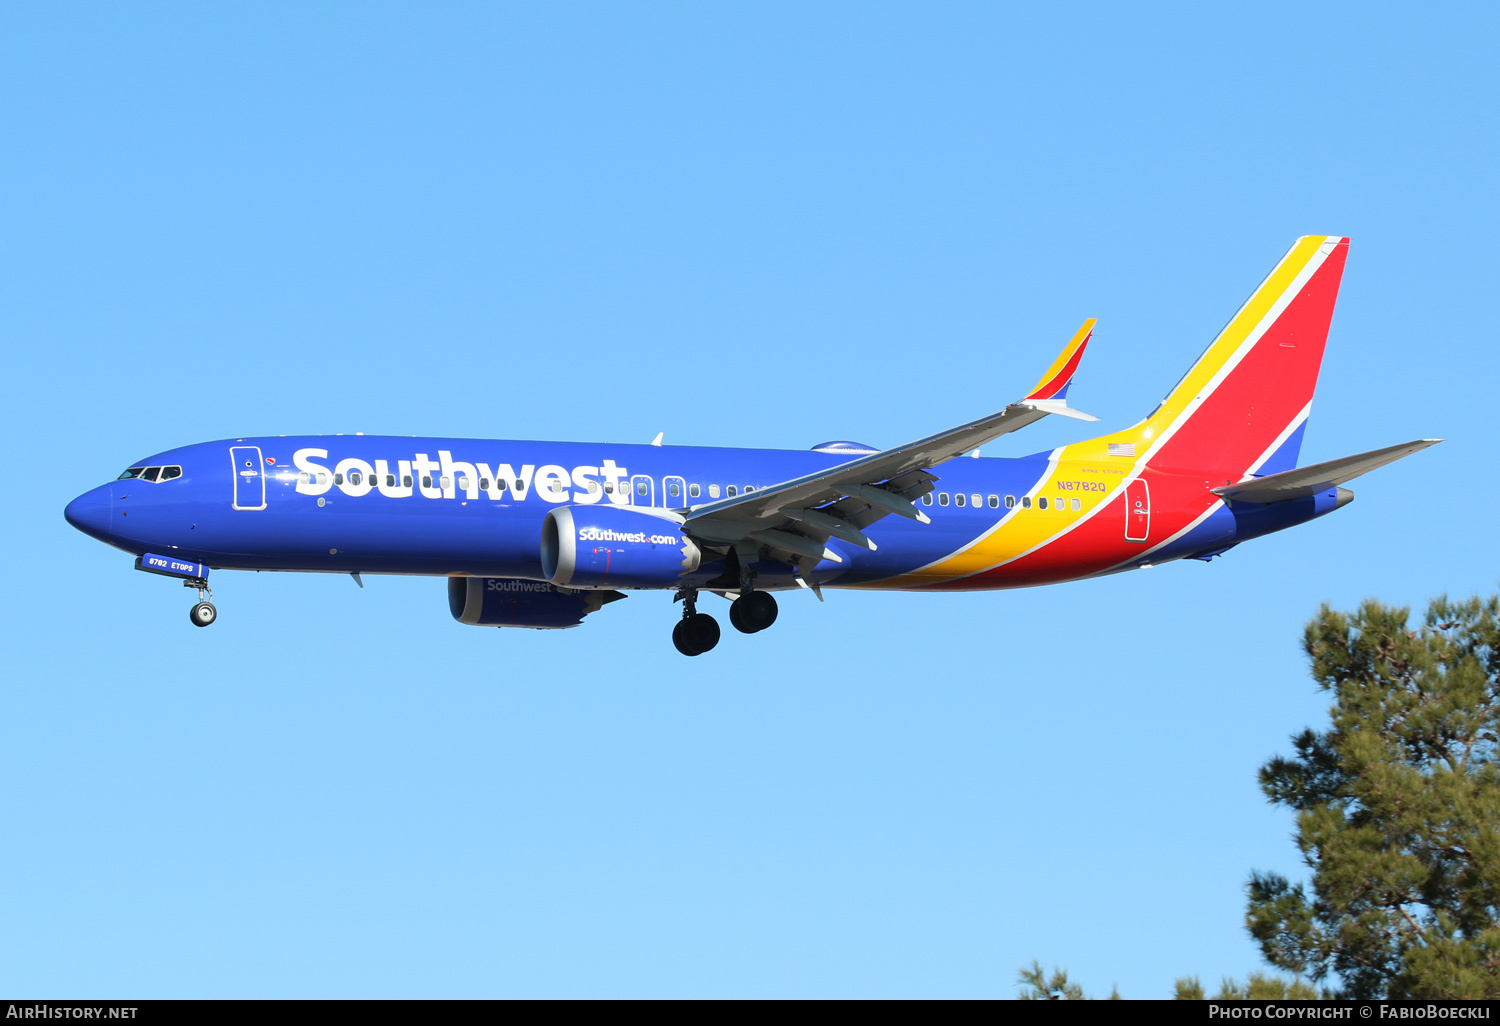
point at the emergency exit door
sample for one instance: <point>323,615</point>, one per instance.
<point>1137,511</point>
<point>249,477</point>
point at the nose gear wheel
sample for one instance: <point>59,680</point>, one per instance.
<point>203,612</point>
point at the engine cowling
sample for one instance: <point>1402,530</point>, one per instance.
<point>506,602</point>
<point>614,546</point>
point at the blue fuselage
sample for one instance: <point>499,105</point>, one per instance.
<point>425,506</point>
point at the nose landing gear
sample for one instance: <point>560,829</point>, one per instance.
<point>203,613</point>
<point>696,632</point>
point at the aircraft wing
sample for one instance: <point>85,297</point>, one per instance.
<point>1305,481</point>
<point>795,519</point>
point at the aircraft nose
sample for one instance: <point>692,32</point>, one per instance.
<point>90,512</point>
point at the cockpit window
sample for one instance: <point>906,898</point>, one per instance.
<point>156,474</point>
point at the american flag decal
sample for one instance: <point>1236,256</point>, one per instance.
<point>1122,449</point>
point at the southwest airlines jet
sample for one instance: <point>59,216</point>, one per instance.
<point>541,534</point>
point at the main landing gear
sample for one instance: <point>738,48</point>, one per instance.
<point>753,611</point>
<point>204,612</point>
<point>696,632</point>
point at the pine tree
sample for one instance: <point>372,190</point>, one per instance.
<point>1398,808</point>
<point>1257,987</point>
<point>1040,987</point>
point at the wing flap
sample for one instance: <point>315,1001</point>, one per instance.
<point>1320,477</point>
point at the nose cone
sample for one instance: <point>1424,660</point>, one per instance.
<point>90,512</point>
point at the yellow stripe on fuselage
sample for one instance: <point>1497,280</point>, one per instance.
<point>1023,530</point>
<point>1026,530</point>
<point>1214,359</point>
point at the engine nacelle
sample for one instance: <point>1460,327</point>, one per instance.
<point>506,602</point>
<point>614,546</point>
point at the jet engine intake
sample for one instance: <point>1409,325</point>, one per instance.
<point>612,546</point>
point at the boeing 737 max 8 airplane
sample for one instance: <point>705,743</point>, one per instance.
<point>541,534</point>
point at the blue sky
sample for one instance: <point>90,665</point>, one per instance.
<point>766,224</point>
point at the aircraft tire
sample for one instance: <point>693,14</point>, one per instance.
<point>680,640</point>
<point>701,631</point>
<point>203,614</point>
<point>753,611</point>
<point>735,621</point>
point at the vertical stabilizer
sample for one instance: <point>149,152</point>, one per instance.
<point>1241,408</point>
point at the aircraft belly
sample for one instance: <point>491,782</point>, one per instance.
<point>361,536</point>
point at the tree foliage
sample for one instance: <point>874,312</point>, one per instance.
<point>1398,808</point>
<point>1038,986</point>
<point>1257,987</point>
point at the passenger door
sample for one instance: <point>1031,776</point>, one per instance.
<point>249,477</point>
<point>1137,511</point>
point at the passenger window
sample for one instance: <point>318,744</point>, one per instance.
<point>390,480</point>
<point>977,499</point>
<point>426,481</point>
<point>464,483</point>
<point>322,479</point>
<point>713,491</point>
<point>1025,502</point>
<point>499,484</point>
<point>694,491</point>
<point>484,484</point>
<point>640,487</point>
<point>730,491</point>
<point>355,477</point>
<point>150,473</point>
<point>959,499</point>
<point>338,479</point>
<point>609,488</point>
<point>132,472</point>
<point>994,502</point>
<point>593,488</point>
<point>443,482</point>
<point>305,477</point>
<point>520,487</point>
<point>1010,502</point>
<point>1076,504</point>
<point>674,490</point>
<point>1041,503</point>
<point>167,473</point>
<point>927,499</point>
<point>942,498</point>
<point>749,489</point>
<point>406,481</point>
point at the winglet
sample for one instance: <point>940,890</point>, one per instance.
<point>1054,383</point>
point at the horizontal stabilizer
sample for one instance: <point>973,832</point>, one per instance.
<point>1306,481</point>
